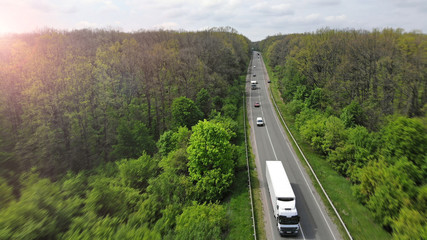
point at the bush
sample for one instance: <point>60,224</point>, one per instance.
<point>201,222</point>
<point>135,173</point>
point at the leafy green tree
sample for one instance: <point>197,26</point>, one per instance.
<point>166,224</point>
<point>73,185</point>
<point>135,173</point>
<point>228,123</point>
<point>342,159</point>
<point>172,140</point>
<point>217,103</point>
<point>313,130</point>
<point>176,161</point>
<point>295,107</point>
<point>181,137</point>
<point>89,226</point>
<point>302,93</point>
<point>358,148</point>
<point>210,160</point>
<point>170,188</point>
<point>229,110</point>
<point>185,112</point>
<point>126,231</point>
<point>201,222</point>
<point>6,195</point>
<point>41,212</point>
<point>352,115</point>
<point>387,188</point>
<point>405,137</point>
<point>411,224</point>
<point>317,99</point>
<point>103,198</point>
<point>369,177</point>
<point>335,134</point>
<point>291,79</point>
<point>132,140</point>
<point>421,201</point>
<point>165,143</point>
<point>203,102</point>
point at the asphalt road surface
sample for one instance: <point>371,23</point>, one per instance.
<point>269,142</point>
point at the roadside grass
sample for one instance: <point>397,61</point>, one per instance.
<point>358,219</point>
<point>238,202</point>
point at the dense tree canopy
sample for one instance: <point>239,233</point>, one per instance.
<point>95,127</point>
<point>359,99</point>
<point>210,164</point>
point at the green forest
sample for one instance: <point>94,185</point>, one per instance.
<point>359,99</point>
<point>113,135</point>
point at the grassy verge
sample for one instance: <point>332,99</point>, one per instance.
<point>238,205</point>
<point>357,218</point>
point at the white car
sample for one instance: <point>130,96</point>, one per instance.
<point>259,121</point>
<point>254,66</point>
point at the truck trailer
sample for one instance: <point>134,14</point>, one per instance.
<point>282,199</point>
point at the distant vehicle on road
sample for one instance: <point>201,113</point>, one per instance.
<point>259,121</point>
<point>253,86</point>
<point>269,81</point>
<point>257,104</point>
<point>282,198</point>
<point>254,82</point>
<point>254,66</point>
<point>254,75</point>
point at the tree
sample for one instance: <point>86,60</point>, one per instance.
<point>358,148</point>
<point>135,173</point>
<point>210,160</point>
<point>405,137</point>
<point>165,143</point>
<point>132,140</point>
<point>352,115</point>
<point>411,224</point>
<point>317,99</point>
<point>313,130</point>
<point>185,112</point>
<point>103,198</point>
<point>201,222</point>
<point>5,193</point>
<point>335,134</point>
<point>41,212</point>
<point>203,102</point>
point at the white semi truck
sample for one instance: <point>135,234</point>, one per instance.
<point>282,198</point>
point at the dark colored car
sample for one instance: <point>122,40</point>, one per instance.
<point>257,104</point>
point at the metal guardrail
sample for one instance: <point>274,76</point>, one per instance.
<point>311,169</point>
<point>247,161</point>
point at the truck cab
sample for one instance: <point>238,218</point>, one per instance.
<point>287,217</point>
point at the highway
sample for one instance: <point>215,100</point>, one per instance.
<point>270,142</point>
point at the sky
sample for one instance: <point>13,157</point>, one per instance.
<point>256,19</point>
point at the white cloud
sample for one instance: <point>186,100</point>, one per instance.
<point>86,24</point>
<point>167,26</point>
<point>254,18</point>
<point>312,17</point>
<point>336,18</point>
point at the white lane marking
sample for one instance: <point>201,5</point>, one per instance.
<point>274,116</point>
<point>302,232</point>
<point>265,195</point>
<point>268,134</point>
<point>299,167</point>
